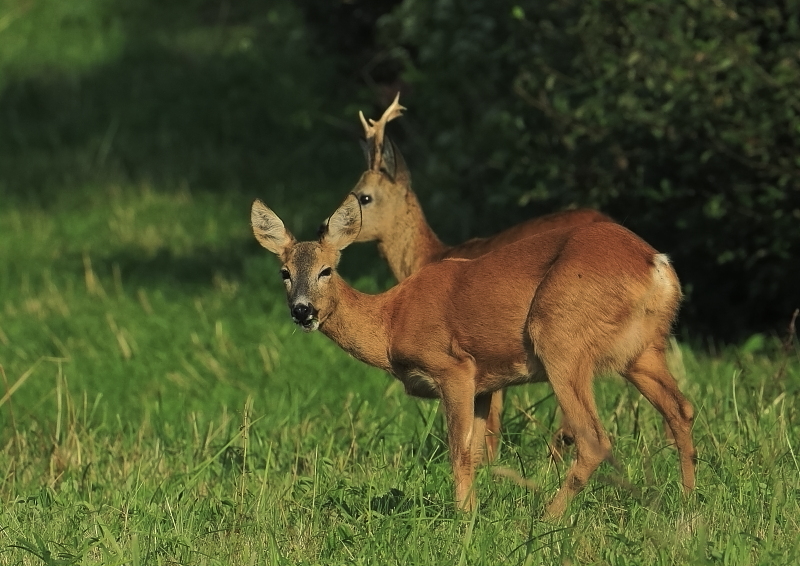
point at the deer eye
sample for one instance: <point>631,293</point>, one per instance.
<point>285,274</point>
<point>325,273</point>
<point>365,199</point>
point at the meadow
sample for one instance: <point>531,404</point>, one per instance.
<point>158,406</point>
<point>161,408</point>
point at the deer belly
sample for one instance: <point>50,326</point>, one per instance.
<point>420,384</point>
<point>527,371</point>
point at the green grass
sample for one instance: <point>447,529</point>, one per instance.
<point>169,412</point>
<point>157,406</point>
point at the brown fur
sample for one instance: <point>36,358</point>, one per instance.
<point>561,306</point>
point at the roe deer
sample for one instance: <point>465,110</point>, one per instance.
<point>560,306</point>
<point>392,215</point>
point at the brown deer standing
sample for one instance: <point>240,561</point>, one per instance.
<point>393,216</point>
<point>561,306</point>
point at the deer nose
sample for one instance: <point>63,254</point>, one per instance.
<point>301,312</point>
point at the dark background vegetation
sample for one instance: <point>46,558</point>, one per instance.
<point>681,119</point>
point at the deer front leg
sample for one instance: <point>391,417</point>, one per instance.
<point>458,397</point>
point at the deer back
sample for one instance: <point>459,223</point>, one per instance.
<point>595,284</point>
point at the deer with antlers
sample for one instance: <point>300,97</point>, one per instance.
<point>561,306</point>
<point>393,216</point>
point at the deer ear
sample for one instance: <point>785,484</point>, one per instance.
<point>344,224</point>
<point>394,164</point>
<point>388,162</point>
<point>269,229</point>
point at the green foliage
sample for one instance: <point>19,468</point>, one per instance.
<point>680,119</point>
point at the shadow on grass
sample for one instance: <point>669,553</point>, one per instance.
<point>242,260</point>
<point>165,269</point>
<point>214,96</point>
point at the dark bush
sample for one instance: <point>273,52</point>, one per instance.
<point>346,30</point>
<point>679,118</point>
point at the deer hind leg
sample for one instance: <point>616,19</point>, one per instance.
<point>563,438</point>
<point>493,426</point>
<point>651,377</point>
<point>458,398</point>
<point>573,389</point>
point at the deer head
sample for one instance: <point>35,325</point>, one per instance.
<point>384,186</point>
<point>308,268</point>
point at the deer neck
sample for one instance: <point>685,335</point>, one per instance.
<point>410,243</point>
<point>357,323</point>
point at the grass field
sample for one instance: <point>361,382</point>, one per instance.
<point>157,405</point>
<point>161,408</point>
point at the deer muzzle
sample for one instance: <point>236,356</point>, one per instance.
<point>305,315</point>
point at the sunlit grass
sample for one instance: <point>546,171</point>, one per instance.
<point>68,35</point>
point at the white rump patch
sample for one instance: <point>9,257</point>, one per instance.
<point>663,275</point>
<point>660,264</point>
<point>661,260</point>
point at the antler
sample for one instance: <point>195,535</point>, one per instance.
<point>373,131</point>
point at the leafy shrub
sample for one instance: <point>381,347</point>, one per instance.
<point>681,118</point>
